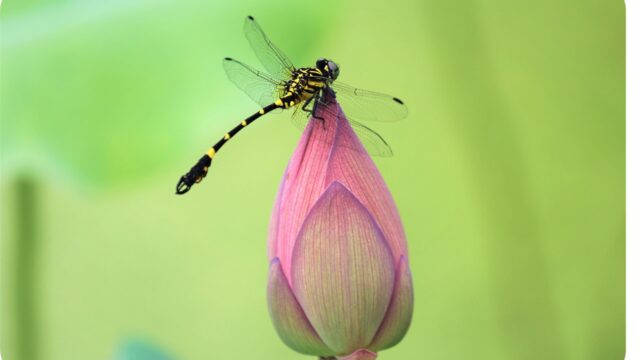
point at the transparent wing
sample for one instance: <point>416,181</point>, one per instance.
<point>272,58</point>
<point>261,87</point>
<point>372,141</point>
<point>300,118</point>
<point>368,105</point>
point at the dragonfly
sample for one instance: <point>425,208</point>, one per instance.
<point>283,86</point>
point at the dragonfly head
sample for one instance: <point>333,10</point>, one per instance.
<point>329,68</point>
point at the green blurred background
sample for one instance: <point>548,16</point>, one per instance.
<point>508,173</point>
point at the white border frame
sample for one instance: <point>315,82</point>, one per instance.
<point>633,179</point>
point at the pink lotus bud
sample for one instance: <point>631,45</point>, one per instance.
<point>339,283</point>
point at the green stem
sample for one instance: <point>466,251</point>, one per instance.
<point>361,354</point>
<point>26,267</point>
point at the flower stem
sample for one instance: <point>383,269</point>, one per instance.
<point>26,247</point>
<point>361,354</point>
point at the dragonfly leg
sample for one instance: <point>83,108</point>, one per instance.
<point>315,108</point>
<point>305,106</point>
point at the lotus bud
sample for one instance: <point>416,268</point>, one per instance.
<point>339,280</point>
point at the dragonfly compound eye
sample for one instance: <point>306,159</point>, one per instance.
<point>321,63</point>
<point>334,70</point>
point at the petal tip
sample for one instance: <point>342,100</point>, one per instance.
<point>336,186</point>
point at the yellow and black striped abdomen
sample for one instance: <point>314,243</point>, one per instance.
<point>201,168</point>
<point>304,84</point>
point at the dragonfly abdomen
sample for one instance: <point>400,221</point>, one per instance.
<point>201,168</point>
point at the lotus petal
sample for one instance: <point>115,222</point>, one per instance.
<point>352,166</point>
<point>396,321</point>
<point>342,271</point>
<point>287,316</point>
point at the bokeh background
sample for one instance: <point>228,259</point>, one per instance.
<point>508,173</point>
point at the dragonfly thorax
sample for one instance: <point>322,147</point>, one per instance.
<point>304,84</point>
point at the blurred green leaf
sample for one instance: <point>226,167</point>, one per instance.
<point>114,91</point>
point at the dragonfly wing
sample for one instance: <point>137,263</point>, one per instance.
<point>373,142</point>
<point>369,105</point>
<point>271,57</point>
<point>300,118</point>
<point>261,87</point>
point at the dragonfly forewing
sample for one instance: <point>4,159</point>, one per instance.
<point>271,57</point>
